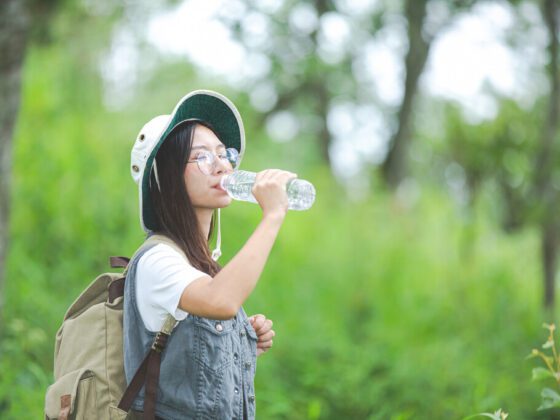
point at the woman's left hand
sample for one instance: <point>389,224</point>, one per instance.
<point>265,333</point>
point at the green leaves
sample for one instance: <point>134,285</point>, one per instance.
<point>550,399</point>
<point>496,415</point>
<point>541,373</point>
<point>548,344</point>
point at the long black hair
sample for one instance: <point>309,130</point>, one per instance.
<point>175,215</point>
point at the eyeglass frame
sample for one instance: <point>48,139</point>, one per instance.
<point>207,154</point>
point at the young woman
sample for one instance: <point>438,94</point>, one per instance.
<point>207,369</point>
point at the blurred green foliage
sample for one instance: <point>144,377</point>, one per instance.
<point>378,312</point>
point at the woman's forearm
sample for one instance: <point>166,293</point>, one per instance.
<point>222,296</point>
<point>238,278</point>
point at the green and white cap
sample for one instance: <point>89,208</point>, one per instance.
<point>200,105</point>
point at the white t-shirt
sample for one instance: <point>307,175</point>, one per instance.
<point>162,275</point>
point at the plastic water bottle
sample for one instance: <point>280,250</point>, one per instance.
<point>301,193</point>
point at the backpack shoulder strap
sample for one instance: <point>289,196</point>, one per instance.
<point>162,239</point>
<point>151,241</point>
<point>148,372</point>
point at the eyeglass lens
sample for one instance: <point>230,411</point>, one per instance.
<point>207,160</point>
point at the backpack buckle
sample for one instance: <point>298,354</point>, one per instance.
<point>160,342</point>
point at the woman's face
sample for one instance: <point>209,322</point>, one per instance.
<point>204,190</point>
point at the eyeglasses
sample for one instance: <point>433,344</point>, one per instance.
<point>207,160</point>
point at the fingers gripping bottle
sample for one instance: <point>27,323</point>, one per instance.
<point>301,193</point>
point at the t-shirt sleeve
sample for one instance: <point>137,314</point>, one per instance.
<point>162,276</point>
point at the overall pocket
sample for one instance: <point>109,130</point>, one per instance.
<point>213,343</point>
<point>73,396</point>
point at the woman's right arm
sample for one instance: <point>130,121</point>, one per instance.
<point>221,297</point>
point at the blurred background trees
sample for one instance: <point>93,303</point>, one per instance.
<point>16,24</point>
<point>311,72</point>
<point>410,290</point>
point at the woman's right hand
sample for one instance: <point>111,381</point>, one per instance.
<point>269,190</point>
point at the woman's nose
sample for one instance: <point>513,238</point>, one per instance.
<point>222,167</point>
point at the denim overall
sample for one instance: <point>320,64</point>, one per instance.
<point>207,369</point>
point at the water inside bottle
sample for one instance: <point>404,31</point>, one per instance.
<point>301,195</point>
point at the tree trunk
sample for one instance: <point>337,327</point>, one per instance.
<point>14,23</point>
<point>549,249</point>
<point>320,92</point>
<point>394,168</point>
<point>324,136</point>
<point>548,154</point>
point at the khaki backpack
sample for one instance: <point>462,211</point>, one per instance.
<point>88,355</point>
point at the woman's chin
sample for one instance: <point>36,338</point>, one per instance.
<point>214,203</point>
<point>224,202</point>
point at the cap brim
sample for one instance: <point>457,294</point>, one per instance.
<point>207,106</point>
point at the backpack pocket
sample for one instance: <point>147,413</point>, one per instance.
<point>72,397</point>
<point>116,413</point>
